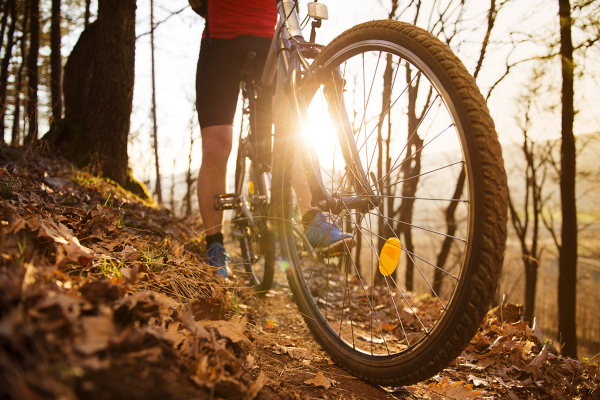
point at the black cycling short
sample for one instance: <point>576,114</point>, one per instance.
<point>218,75</point>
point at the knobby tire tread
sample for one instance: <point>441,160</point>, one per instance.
<point>492,208</point>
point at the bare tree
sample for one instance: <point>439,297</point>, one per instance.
<point>109,108</point>
<point>16,131</point>
<point>567,281</point>
<point>86,17</point>
<point>32,71</point>
<point>450,212</point>
<point>532,203</point>
<point>10,10</point>
<point>189,177</point>
<point>157,187</point>
<point>56,64</point>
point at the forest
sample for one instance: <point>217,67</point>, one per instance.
<point>102,239</point>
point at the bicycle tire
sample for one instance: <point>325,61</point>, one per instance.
<point>352,309</point>
<point>257,241</point>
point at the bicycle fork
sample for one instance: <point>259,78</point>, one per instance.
<point>366,199</point>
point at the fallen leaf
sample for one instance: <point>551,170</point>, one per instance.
<point>538,361</point>
<point>279,349</point>
<point>373,339</point>
<point>477,382</point>
<point>97,332</point>
<point>61,183</point>
<point>299,354</point>
<point>257,385</point>
<point>73,252</point>
<point>232,330</point>
<point>321,380</point>
<point>535,332</point>
<point>293,352</point>
<point>455,390</point>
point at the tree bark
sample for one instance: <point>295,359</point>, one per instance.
<point>16,127</point>
<point>567,280</point>
<point>70,135</point>
<point>10,10</point>
<point>32,71</point>
<point>56,64</point>
<point>157,187</point>
<point>86,20</point>
<point>411,170</point>
<point>4,11</point>
<point>111,88</point>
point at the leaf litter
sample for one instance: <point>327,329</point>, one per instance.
<point>103,295</point>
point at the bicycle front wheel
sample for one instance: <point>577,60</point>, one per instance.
<point>402,302</point>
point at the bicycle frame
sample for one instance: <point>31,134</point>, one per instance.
<point>286,62</point>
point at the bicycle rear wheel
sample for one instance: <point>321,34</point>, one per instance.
<point>250,227</point>
<point>404,301</point>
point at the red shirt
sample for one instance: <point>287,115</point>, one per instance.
<point>230,18</point>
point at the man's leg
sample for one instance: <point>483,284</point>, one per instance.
<point>216,147</point>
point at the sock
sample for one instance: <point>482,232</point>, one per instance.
<point>216,238</point>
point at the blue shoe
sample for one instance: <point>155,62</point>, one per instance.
<point>324,235</point>
<point>217,256</point>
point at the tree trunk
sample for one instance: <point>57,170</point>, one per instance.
<point>411,169</point>
<point>86,20</point>
<point>567,280</point>
<point>111,88</point>
<point>531,274</point>
<point>32,72</point>
<point>10,10</point>
<point>4,11</point>
<point>157,187</point>
<point>56,64</point>
<point>70,135</point>
<point>451,225</point>
<point>384,231</point>
<point>16,128</point>
<point>189,180</point>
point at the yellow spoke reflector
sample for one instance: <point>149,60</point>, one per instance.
<point>250,187</point>
<point>390,256</point>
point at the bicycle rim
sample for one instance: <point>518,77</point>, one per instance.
<point>402,302</point>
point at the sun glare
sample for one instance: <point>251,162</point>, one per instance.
<point>320,133</point>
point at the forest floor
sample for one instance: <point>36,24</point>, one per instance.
<point>103,296</point>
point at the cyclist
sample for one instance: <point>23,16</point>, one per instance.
<point>232,29</point>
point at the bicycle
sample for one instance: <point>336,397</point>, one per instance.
<point>396,165</point>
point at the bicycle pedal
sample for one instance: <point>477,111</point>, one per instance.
<point>225,201</point>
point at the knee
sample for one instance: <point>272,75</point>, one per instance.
<point>217,143</point>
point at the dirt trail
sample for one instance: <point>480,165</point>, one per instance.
<point>285,349</point>
<point>103,296</point>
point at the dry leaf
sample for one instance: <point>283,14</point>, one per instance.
<point>535,332</point>
<point>478,382</point>
<point>97,332</point>
<point>299,354</point>
<point>73,252</point>
<point>232,330</point>
<point>455,390</point>
<point>293,352</point>
<point>538,361</point>
<point>257,385</point>
<point>321,380</point>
